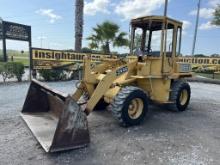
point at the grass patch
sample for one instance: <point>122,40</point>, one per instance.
<point>23,60</point>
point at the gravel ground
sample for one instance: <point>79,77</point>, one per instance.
<point>188,138</point>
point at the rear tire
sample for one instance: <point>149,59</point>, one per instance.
<point>180,95</point>
<point>130,106</point>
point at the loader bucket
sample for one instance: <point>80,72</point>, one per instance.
<point>55,119</point>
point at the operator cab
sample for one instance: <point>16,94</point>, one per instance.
<point>155,36</point>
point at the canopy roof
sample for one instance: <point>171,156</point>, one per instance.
<point>154,22</point>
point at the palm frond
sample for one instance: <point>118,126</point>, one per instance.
<point>120,40</point>
<point>216,19</point>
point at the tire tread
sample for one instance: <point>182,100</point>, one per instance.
<point>117,105</point>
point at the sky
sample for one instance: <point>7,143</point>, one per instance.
<point>52,21</point>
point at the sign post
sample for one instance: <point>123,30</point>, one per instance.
<point>1,31</point>
<point>30,59</point>
<point>15,31</point>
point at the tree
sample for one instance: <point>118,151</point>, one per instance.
<point>52,75</point>
<point>18,70</point>
<point>6,70</point>
<point>200,55</point>
<point>86,50</point>
<point>216,19</point>
<point>107,34</point>
<point>215,55</point>
<point>79,5</point>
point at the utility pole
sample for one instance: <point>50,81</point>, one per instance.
<point>196,28</point>
<point>1,29</point>
<point>3,41</point>
<point>41,41</point>
<point>165,9</point>
<point>1,33</point>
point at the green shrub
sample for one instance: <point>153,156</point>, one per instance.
<point>12,69</point>
<point>1,58</point>
<point>208,71</point>
<point>204,71</point>
<point>17,70</point>
<point>52,75</point>
<point>6,71</point>
<point>195,68</point>
<point>74,75</point>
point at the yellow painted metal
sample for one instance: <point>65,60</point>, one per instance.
<point>100,90</point>
<point>126,82</point>
<point>154,74</point>
<point>150,66</point>
<point>97,90</point>
<point>154,17</point>
<point>104,80</point>
<point>79,92</point>
<point>157,88</point>
<point>183,97</point>
<point>135,108</point>
<point>111,93</point>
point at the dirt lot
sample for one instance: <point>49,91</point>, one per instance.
<point>190,137</point>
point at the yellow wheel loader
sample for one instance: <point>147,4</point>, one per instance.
<point>150,73</point>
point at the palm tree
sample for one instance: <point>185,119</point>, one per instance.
<point>79,5</point>
<point>107,34</point>
<point>216,20</point>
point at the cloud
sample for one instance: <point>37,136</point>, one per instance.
<point>134,8</point>
<point>207,26</point>
<point>91,8</point>
<point>213,3</point>
<point>50,14</point>
<point>207,13</point>
<point>204,13</point>
<point>186,24</point>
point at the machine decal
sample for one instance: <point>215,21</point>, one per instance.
<point>122,70</point>
<point>49,59</point>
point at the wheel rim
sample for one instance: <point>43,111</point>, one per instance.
<point>135,108</point>
<point>183,97</point>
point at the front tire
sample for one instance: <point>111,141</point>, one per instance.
<point>180,95</point>
<point>130,106</point>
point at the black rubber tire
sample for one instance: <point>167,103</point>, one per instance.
<point>119,107</point>
<point>176,88</point>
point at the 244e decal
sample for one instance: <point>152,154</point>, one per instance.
<point>122,70</point>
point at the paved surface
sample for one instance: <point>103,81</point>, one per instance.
<point>188,138</point>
